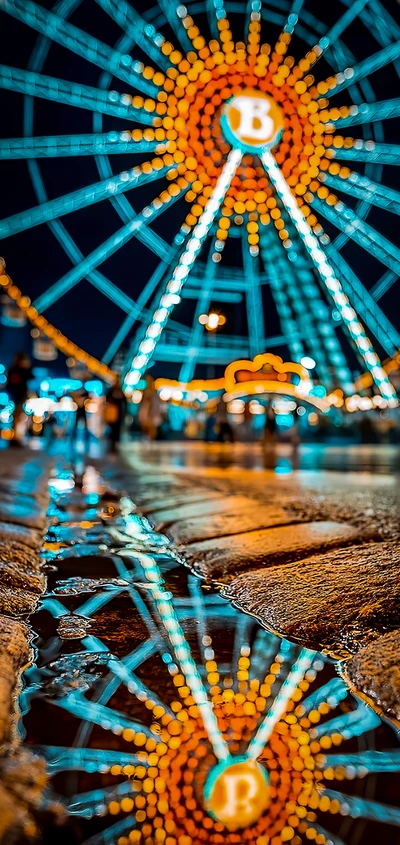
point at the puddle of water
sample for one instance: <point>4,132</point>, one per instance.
<point>167,716</point>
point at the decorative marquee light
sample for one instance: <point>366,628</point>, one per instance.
<point>301,389</point>
<point>60,341</point>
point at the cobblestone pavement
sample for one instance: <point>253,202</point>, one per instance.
<point>313,554</point>
<point>23,504</point>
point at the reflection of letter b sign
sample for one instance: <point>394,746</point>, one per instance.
<point>255,121</point>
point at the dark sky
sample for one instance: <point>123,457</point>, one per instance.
<point>36,260</point>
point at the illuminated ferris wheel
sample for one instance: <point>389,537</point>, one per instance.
<point>239,114</point>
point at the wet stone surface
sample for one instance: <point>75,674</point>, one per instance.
<point>338,601</point>
<point>220,561</point>
<point>20,534</point>
<point>77,585</point>
<point>375,672</point>
<point>235,520</point>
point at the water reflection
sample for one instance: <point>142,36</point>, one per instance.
<point>166,716</point>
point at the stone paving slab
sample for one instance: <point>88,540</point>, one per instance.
<point>207,507</point>
<point>30,537</point>
<point>221,560</point>
<point>183,497</point>
<point>234,520</point>
<point>339,602</point>
<point>22,775</point>
<point>375,671</point>
<point>23,502</point>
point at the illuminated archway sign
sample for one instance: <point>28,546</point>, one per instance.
<point>237,792</point>
<point>252,121</point>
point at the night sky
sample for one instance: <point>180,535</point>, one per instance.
<point>35,260</point>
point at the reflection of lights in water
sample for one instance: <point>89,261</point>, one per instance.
<point>285,420</point>
<point>61,485</point>
<point>240,748</point>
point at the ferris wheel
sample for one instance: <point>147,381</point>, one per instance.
<point>239,114</point>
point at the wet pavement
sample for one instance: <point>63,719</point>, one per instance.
<point>150,686</point>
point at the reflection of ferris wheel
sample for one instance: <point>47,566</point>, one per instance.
<point>256,142</point>
<point>227,735</point>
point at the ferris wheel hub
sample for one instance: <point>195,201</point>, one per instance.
<point>252,121</point>
<point>237,792</point>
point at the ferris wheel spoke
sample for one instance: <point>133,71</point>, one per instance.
<point>373,761</point>
<point>364,808</point>
<point>367,113</point>
<point>280,703</point>
<point>188,366</point>
<point>347,221</point>
<point>56,146</point>
<point>169,8</point>
<point>118,64</point>
<point>142,33</point>
<point>368,151</point>
<point>387,336</point>
<point>254,306</point>
<point>96,278</point>
<point>383,20</point>
<point>183,656</point>
<point>350,724</point>
<point>293,17</point>
<point>65,759</point>
<point>101,254</point>
<point>71,94</point>
<point>168,259</point>
<point>360,187</point>
<point>81,198</point>
<point>350,76</point>
<point>350,319</point>
<point>337,30</point>
<point>181,272</point>
<point>384,284</point>
<point>112,834</point>
<point>95,801</point>
<point>212,18</point>
<point>106,717</point>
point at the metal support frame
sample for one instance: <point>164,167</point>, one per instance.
<point>118,64</point>
<point>197,330</point>
<point>58,146</point>
<point>72,94</point>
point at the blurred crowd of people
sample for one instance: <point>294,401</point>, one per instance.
<point>153,419</point>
